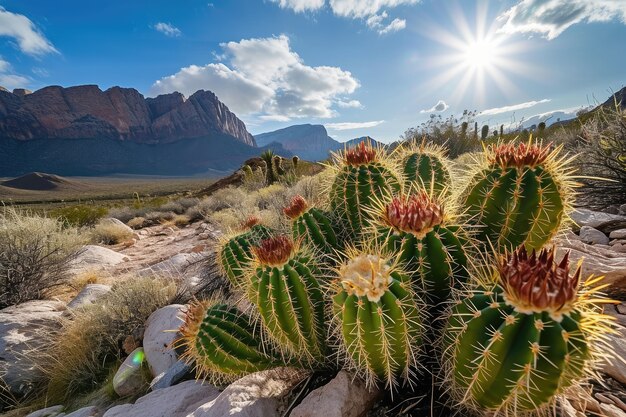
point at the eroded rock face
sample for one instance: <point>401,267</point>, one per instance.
<point>86,112</point>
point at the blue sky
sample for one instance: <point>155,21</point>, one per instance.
<point>359,67</point>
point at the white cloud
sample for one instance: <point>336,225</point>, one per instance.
<point>368,10</point>
<point>552,17</point>
<point>29,39</point>
<point>353,125</point>
<point>360,9</point>
<point>9,80</point>
<point>514,107</point>
<point>350,104</point>
<point>301,5</point>
<point>441,106</point>
<point>264,76</point>
<point>167,29</point>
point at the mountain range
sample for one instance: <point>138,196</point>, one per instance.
<point>310,142</point>
<point>83,130</point>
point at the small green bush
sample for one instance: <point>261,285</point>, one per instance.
<point>79,215</point>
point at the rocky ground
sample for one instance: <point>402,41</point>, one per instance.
<point>599,239</point>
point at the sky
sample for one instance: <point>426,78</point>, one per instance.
<point>358,67</point>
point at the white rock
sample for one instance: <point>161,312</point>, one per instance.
<point>172,266</point>
<point>54,411</point>
<point>341,397</point>
<point>617,368</point>
<point>20,330</point>
<point>86,412</point>
<point>618,234</point>
<point>176,401</point>
<point>593,236</point>
<point>254,395</point>
<point>117,223</point>
<point>604,222</point>
<point>161,331</point>
<point>88,295</point>
<point>95,257</point>
<point>129,378</point>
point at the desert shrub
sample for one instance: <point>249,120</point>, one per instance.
<point>79,215</point>
<point>173,206</point>
<point>602,153</point>
<point>124,214</point>
<point>79,357</point>
<point>188,202</point>
<point>136,222</point>
<point>273,197</point>
<point>108,232</point>
<point>35,253</point>
<point>156,217</point>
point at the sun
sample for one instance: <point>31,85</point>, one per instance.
<point>474,57</point>
<point>481,54</point>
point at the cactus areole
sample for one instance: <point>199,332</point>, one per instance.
<point>515,346</point>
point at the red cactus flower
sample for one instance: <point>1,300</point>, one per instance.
<point>416,214</point>
<point>519,155</point>
<point>536,282</point>
<point>297,206</point>
<point>250,222</point>
<point>360,154</point>
<point>274,251</point>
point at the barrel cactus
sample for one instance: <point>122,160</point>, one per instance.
<point>377,317</point>
<point>524,336</point>
<point>430,243</point>
<point>520,195</point>
<point>427,166</point>
<point>234,253</point>
<point>285,289</point>
<point>312,225</point>
<point>222,343</point>
<point>362,174</point>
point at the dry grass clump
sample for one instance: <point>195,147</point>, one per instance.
<point>110,232</point>
<point>35,253</point>
<point>136,223</point>
<point>79,357</point>
<point>90,276</point>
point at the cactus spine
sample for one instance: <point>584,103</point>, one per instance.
<point>426,166</point>
<point>362,174</point>
<point>289,298</point>
<point>235,253</point>
<point>520,196</point>
<point>514,345</point>
<point>377,318</point>
<point>312,225</point>
<point>428,242</point>
<point>221,342</point>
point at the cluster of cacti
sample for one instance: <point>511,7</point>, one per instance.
<point>273,167</point>
<point>391,246</point>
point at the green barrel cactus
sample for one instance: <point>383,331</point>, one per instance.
<point>362,174</point>
<point>377,318</point>
<point>312,225</point>
<point>433,248</point>
<point>290,301</point>
<point>234,254</point>
<point>223,343</point>
<point>520,196</point>
<point>511,346</point>
<point>426,165</point>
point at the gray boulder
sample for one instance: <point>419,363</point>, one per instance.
<point>344,396</point>
<point>604,222</point>
<point>618,234</point>
<point>254,395</point>
<point>88,295</point>
<point>161,331</point>
<point>176,401</point>
<point>94,257</point>
<point>129,378</point>
<point>593,236</point>
<point>54,411</point>
<point>172,376</point>
<point>91,411</point>
<point>21,327</point>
